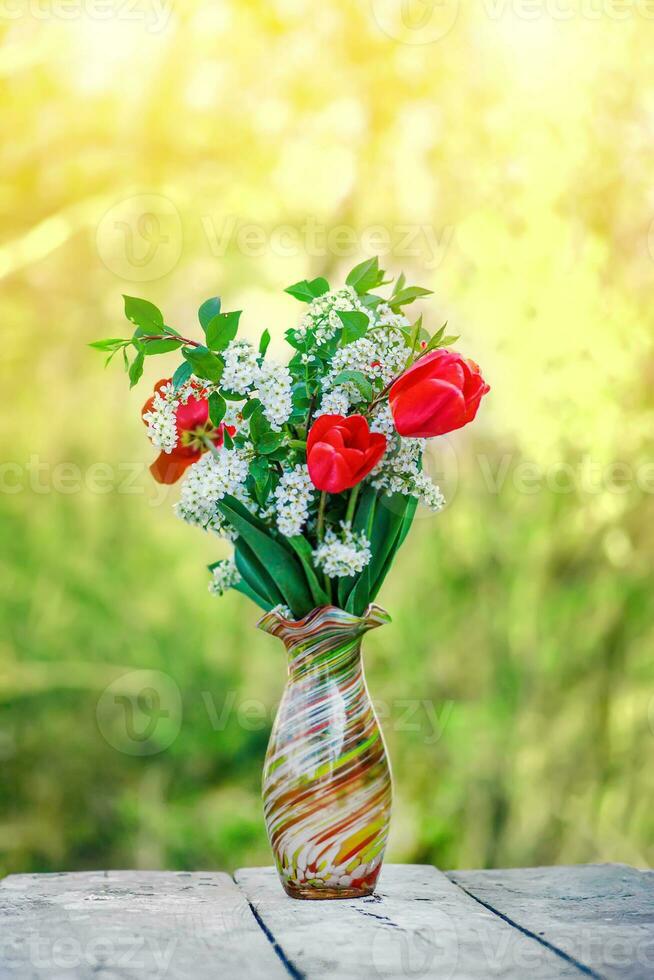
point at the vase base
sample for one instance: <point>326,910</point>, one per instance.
<point>326,894</point>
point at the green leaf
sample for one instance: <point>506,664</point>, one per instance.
<point>259,470</point>
<point>111,344</point>
<point>205,364</point>
<point>355,323</point>
<point>228,442</point>
<point>217,408</point>
<point>209,309</point>
<point>144,314</point>
<point>306,290</point>
<point>365,276</point>
<point>411,509</point>
<point>388,522</point>
<point>136,369</point>
<point>283,567</point>
<point>408,295</point>
<point>304,552</point>
<point>264,342</point>
<point>222,329</point>
<point>356,378</point>
<point>270,442</point>
<point>259,424</point>
<point>250,407</point>
<point>247,515</point>
<point>359,598</point>
<point>255,574</point>
<point>245,590</point>
<point>363,518</point>
<point>181,375</point>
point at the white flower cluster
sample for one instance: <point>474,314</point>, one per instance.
<point>241,367</point>
<point>275,390</point>
<point>225,575</point>
<point>428,492</point>
<point>334,402</point>
<point>381,354</point>
<point>207,482</point>
<point>386,317</point>
<point>340,556</point>
<point>321,319</point>
<point>382,421</point>
<point>162,427</point>
<point>399,472</point>
<point>282,611</point>
<point>293,497</point>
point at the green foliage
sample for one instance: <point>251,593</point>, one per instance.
<point>204,363</point>
<point>306,291</point>
<point>209,309</point>
<point>354,323</point>
<point>281,566</point>
<point>366,276</point>
<point>359,380</point>
<point>217,408</point>
<point>222,329</point>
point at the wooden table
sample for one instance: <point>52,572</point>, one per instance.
<point>524,924</point>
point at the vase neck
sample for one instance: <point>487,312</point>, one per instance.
<point>328,640</point>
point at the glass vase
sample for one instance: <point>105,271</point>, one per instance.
<point>326,781</point>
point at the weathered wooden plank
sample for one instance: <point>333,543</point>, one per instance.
<point>126,924</point>
<point>600,915</point>
<point>418,924</point>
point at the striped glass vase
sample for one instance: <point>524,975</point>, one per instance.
<point>326,781</point>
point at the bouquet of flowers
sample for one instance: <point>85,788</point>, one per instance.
<point>312,469</point>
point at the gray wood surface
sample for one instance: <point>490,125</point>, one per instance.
<point>417,925</point>
<point>524,924</point>
<point>602,916</point>
<point>126,924</point>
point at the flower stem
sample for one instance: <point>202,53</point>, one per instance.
<point>170,336</point>
<point>351,504</point>
<point>321,515</point>
<point>211,447</point>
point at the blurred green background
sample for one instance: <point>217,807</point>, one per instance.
<point>502,158</point>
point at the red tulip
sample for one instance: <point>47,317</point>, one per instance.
<point>342,451</point>
<point>193,426</point>
<point>439,393</point>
